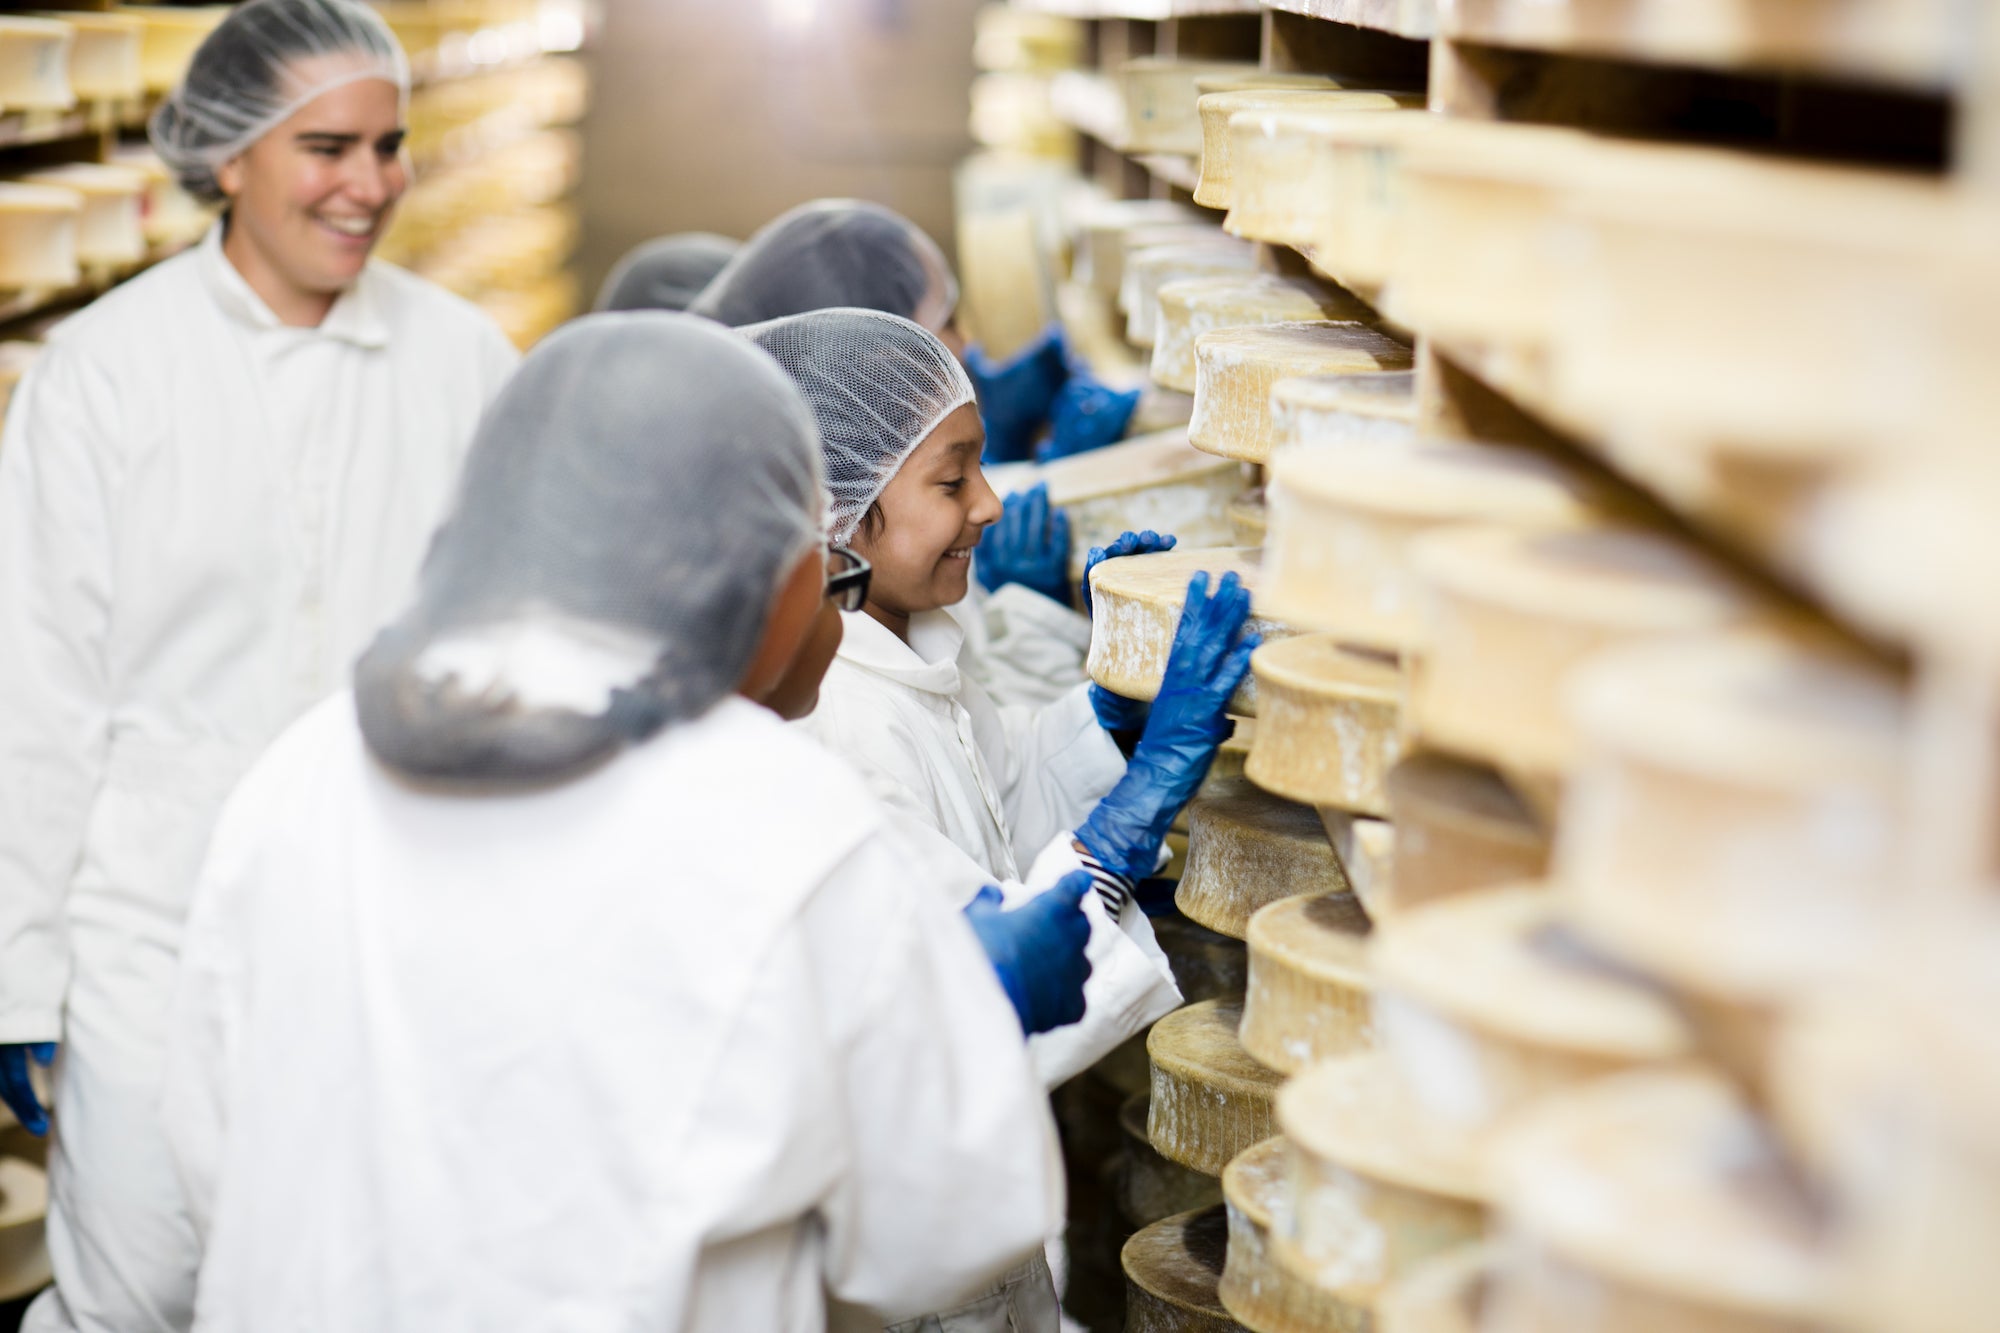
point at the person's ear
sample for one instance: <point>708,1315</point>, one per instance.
<point>229,176</point>
<point>798,600</point>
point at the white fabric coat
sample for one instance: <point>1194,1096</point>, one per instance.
<point>989,790</point>
<point>686,1043</point>
<point>1022,647</point>
<point>204,516</point>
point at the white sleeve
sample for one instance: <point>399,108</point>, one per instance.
<point>1053,762</point>
<point>1022,647</point>
<point>57,461</point>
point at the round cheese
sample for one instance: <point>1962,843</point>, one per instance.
<point>1255,1288</point>
<point>1207,965</point>
<point>1656,1201</point>
<point>1216,105</point>
<point>1332,723</point>
<point>1367,851</point>
<point>1247,520</point>
<point>1202,305</point>
<point>1512,613</point>
<point>1343,522</point>
<point>1487,1005</point>
<point>1307,998</point>
<point>1285,167</point>
<point>1459,827</point>
<point>1247,848</point>
<point>1447,1294</point>
<point>1137,604</point>
<point>1160,96</point>
<point>1156,482</point>
<point>38,235</point>
<point>1362,214</point>
<point>24,1207</point>
<point>1147,1185</point>
<point>1210,1099</point>
<point>1104,226</point>
<point>1235,369</point>
<point>1345,409</point>
<point>1172,1270</point>
<point>1148,270</point>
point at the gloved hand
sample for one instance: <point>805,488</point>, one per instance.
<point>1116,713</point>
<point>1016,395</point>
<point>1028,546</point>
<point>1189,721</point>
<point>16,1090</point>
<point>1037,950</point>
<point>1128,543</point>
<point>1086,415</point>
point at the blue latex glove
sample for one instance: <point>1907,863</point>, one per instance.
<point>1037,950</point>
<point>1189,721</point>
<point>16,1090</point>
<point>1016,395</point>
<point>1116,713</point>
<point>1028,546</point>
<point>1128,543</point>
<point>1086,415</point>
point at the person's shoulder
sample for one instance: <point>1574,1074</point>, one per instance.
<point>412,300</point>
<point>140,310</point>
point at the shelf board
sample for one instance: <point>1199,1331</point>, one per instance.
<point>1140,9</point>
<point>1403,18</point>
<point>1183,173</point>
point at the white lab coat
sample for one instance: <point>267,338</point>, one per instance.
<point>989,790</point>
<point>685,1043</point>
<point>1022,647</point>
<point>204,516</point>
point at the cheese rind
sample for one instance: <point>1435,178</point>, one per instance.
<point>1308,994</point>
<point>1156,266</point>
<point>1196,306</point>
<point>1155,482</point>
<point>1160,96</point>
<point>1148,1186</point>
<point>1248,848</point>
<point>1459,827</point>
<point>1255,1288</point>
<point>1137,604</point>
<point>1172,1270</point>
<point>1210,1099</point>
<point>1333,723</point>
<point>1345,410</point>
<point>38,231</point>
<point>1106,225</point>
<point>109,230</point>
<point>1235,369</point>
<point>1216,106</point>
<point>1248,519</point>
<point>1285,170</point>
<point>24,1207</point>
<point>1445,1294</point>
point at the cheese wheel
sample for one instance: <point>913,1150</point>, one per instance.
<point>1247,521</point>
<point>1262,1294</point>
<point>24,1207</point>
<point>1307,998</point>
<point>1210,1099</point>
<point>109,230</point>
<point>1360,231</point>
<point>104,56</point>
<point>1004,37</point>
<point>1102,230</point>
<point>1156,482</point>
<point>1148,270</point>
<point>1447,1294</point>
<point>1736,824</point>
<point>1655,1201</point>
<point>1160,96</point>
<point>1216,106</point>
<point>1511,614</point>
<point>1487,1005</point>
<point>1201,305</point>
<point>1235,369</point>
<point>34,64</point>
<point>1172,1270</point>
<point>1343,523</point>
<point>168,40</point>
<point>1284,173</point>
<point>1147,1185</point>
<point>1344,409</point>
<point>1376,1189</point>
<point>38,231</point>
<point>1137,604</point>
<point>1247,848</point>
<point>1207,965</point>
<point>1367,851</point>
<point>1459,827</point>
<point>1333,723</point>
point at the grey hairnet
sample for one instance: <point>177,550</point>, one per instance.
<point>263,62</point>
<point>631,502</point>
<point>878,386</point>
<point>667,272</point>
<point>834,252</point>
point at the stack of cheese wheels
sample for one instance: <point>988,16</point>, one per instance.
<point>1259,1291</point>
<point>104,56</point>
<point>1443,1295</point>
<point>1218,104</point>
<point>34,64</point>
<point>1137,602</point>
<point>24,1206</point>
<point>1004,37</point>
<point>1210,1099</point>
<point>1248,518</point>
<point>1235,369</point>
<point>1247,848</point>
<point>1654,1201</point>
<point>1006,294</point>
<point>1201,305</point>
<point>1367,850</point>
<point>1487,1004</point>
<point>169,38</point>
<point>170,215</point>
<point>109,230</point>
<point>1511,613</point>
<point>1172,1270</point>
<point>38,227</point>
<point>1160,96</point>
<point>1332,723</point>
<point>1103,226</point>
<point>1149,269</point>
<point>1155,482</point>
<point>1344,521</point>
<point>1207,965</point>
<point>1358,240</point>
<point>1459,827</point>
<point>1736,824</point>
<point>1284,167</point>
<point>1362,410</point>
<point>1149,1187</point>
<point>1375,1189</point>
<point>1308,994</point>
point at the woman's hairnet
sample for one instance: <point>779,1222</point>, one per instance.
<point>632,500</point>
<point>667,272</point>
<point>263,62</point>
<point>834,252</point>
<point>878,386</point>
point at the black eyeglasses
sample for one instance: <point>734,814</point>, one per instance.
<point>847,578</point>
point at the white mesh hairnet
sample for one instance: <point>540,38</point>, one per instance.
<point>834,252</point>
<point>667,272</point>
<point>261,64</point>
<point>631,502</point>
<point>878,387</point>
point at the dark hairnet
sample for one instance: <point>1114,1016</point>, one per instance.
<point>667,272</point>
<point>834,252</point>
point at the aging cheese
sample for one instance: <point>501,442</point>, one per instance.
<point>169,39</point>
<point>1235,369</point>
<point>1247,848</point>
<point>1210,1099</point>
<point>1154,267</point>
<point>1459,827</point>
<point>1156,482</point>
<point>1344,410</point>
<point>38,228</point>
<point>1104,227</point>
<point>24,1207</point>
<point>35,64</point>
<point>1255,1288</point>
<point>1358,241</point>
<point>104,56</point>
<point>1247,518</point>
<point>1308,995</point>
<point>1207,965</point>
<point>1138,600</point>
<point>1367,851</point>
<point>1332,723</point>
<point>1148,1186</point>
<point>1216,105</point>
<point>1447,1294</point>
<point>1285,164</point>
<point>108,230</point>
<point>1172,1270</point>
<point>1160,96</point>
<point>1201,305</point>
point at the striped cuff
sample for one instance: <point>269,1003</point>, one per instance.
<point>1113,889</point>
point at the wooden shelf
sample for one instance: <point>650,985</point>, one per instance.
<point>1403,18</point>
<point>1141,9</point>
<point>1183,173</point>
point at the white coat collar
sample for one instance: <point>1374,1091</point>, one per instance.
<point>356,316</point>
<point>928,662</point>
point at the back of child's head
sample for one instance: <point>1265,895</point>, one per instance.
<point>832,253</point>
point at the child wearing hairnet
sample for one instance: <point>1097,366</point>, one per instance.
<point>544,981</point>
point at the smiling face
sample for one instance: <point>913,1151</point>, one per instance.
<point>309,200</point>
<point>931,515</point>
